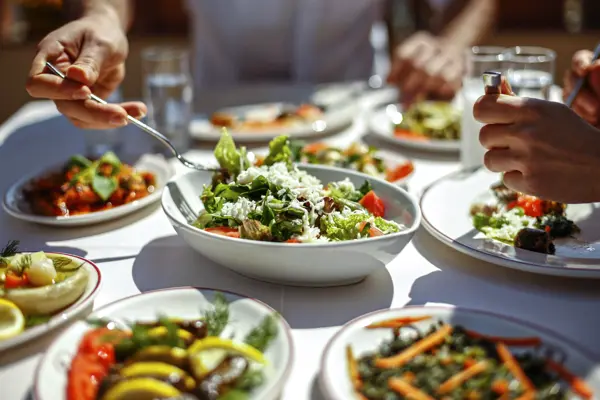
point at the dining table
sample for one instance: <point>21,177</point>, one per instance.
<point>142,252</point>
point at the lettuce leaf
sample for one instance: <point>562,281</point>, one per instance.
<point>279,151</point>
<point>339,228</point>
<point>229,157</point>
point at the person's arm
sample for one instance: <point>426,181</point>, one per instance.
<point>474,23</point>
<point>120,9</point>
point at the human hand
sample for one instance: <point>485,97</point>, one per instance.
<point>543,148</point>
<point>91,52</point>
<point>587,102</point>
<point>423,66</point>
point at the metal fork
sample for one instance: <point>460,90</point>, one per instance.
<point>149,130</point>
<point>182,205</point>
<point>581,81</point>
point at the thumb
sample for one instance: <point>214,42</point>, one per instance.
<point>86,69</point>
<point>505,87</point>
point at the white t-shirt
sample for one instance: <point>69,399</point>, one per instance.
<point>307,41</point>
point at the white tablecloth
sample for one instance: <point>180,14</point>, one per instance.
<point>142,253</point>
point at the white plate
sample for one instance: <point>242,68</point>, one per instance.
<point>15,205</point>
<point>71,312</point>
<point>333,378</point>
<point>300,264</point>
<point>186,302</point>
<point>445,206</point>
<point>381,124</point>
<point>334,119</point>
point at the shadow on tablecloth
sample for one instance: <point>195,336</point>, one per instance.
<point>169,262</point>
<point>542,300</point>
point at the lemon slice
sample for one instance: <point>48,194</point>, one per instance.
<point>141,389</point>
<point>158,370</point>
<point>12,321</point>
<point>160,331</point>
<point>206,354</point>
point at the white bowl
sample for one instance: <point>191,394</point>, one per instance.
<point>188,303</point>
<point>15,205</point>
<point>303,264</point>
<point>333,377</point>
<point>74,310</point>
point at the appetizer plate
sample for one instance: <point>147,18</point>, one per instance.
<point>446,203</point>
<point>70,313</point>
<point>301,264</point>
<point>14,203</point>
<point>186,302</point>
<point>381,124</point>
<point>334,119</point>
<point>334,380</point>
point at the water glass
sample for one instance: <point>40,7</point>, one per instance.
<point>98,142</point>
<point>530,70</point>
<point>168,95</point>
<point>478,60</point>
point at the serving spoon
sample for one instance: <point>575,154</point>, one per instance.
<point>146,128</point>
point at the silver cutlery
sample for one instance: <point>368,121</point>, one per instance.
<point>149,130</point>
<point>581,81</point>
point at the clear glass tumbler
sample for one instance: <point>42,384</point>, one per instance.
<point>168,95</point>
<point>98,142</point>
<point>478,60</point>
<point>530,70</point>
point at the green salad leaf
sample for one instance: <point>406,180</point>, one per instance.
<point>110,158</point>
<point>279,151</point>
<point>232,159</point>
<point>339,228</point>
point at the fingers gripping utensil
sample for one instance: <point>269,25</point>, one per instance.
<point>149,130</point>
<point>581,81</point>
<point>492,82</point>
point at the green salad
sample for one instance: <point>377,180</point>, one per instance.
<point>277,202</point>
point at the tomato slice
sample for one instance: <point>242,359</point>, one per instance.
<point>85,376</point>
<point>373,204</point>
<point>12,280</point>
<point>531,205</point>
<point>224,231</point>
<point>403,133</point>
<point>401,171</point>
<point>293,241</point>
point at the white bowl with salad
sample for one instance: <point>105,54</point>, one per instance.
<point>178,343</point>
<point>308,225</point>
<point>39,291</point>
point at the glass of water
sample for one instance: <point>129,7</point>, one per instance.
<point>530,70</point>
<point>478,60</point>
<point>98,142</point>
<point>168,95</point>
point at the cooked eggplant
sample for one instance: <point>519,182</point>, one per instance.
<point>553,207</point>
<point>536,240</point>
<point>165,354</point>
<point>198,327</point>
<point>485,209</point>
<point>227,373</point>
<point>503,193</point>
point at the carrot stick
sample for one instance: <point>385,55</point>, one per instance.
<point>407,390</point>
<point>500,386</point>
<point>456,380</point>
<point>353,369</point>
<point>396,322</point>
<point>513,366</point>
<point>577,384</point>
<point>526,396</point>
<point>415,349</point>
<point>514,341</point>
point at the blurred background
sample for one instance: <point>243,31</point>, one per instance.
<point>562,25</point>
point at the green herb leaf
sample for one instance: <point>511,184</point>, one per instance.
<point>34,320</point>
<point>217,318</point>
<point>98,322</point>
<point>11,248</point>
<point>110,158</point>
<point>104,187</point>
<point>80,161</point>
<point>279,151</point>
<point>251,379</point>
<point>234,394</point>
<point>261,336</point>
<point>365,188</point>
<point>227,155</point>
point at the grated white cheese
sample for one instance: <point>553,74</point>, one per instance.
<point>240,209</point>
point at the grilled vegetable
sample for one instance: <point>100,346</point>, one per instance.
<point>536,240</point>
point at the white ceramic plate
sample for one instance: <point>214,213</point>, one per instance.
<point>15,205</point>
<point>71,312</point>
<point>333,378</point>
<point>380,123</point>
<point>334,119</point>
<point>445,206</point>
<point>302,264</point>
<point>188,303</point>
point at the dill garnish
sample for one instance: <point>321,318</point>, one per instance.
<point>216,319</point>
<point>11,248</point>
<point>261,336</point>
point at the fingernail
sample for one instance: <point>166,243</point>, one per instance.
<point>80,94</point>
<point>141,115</point>
<point>118,121</point>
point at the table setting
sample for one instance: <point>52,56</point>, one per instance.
<point>377,242</point>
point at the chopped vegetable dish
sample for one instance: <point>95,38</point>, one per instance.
<point>429,120</point>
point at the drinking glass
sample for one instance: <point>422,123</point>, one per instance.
<point>98,142</point>
<point>530,70</point>
<point>168,95</point>
<point>478,60</point>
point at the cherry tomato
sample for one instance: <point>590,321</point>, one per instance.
<point>12,280</point>
<point>373,204</point>
<point>85,376</point>
<point>401,171</point>
<point>224,231</point>
<point>531,205</point>
<point>314,148</point>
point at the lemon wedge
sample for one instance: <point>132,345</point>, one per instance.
<point>161,331</point>
<point>141,389</point>
<point>12,321</point>
<point>158,370</point>
<point>206,354</point>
